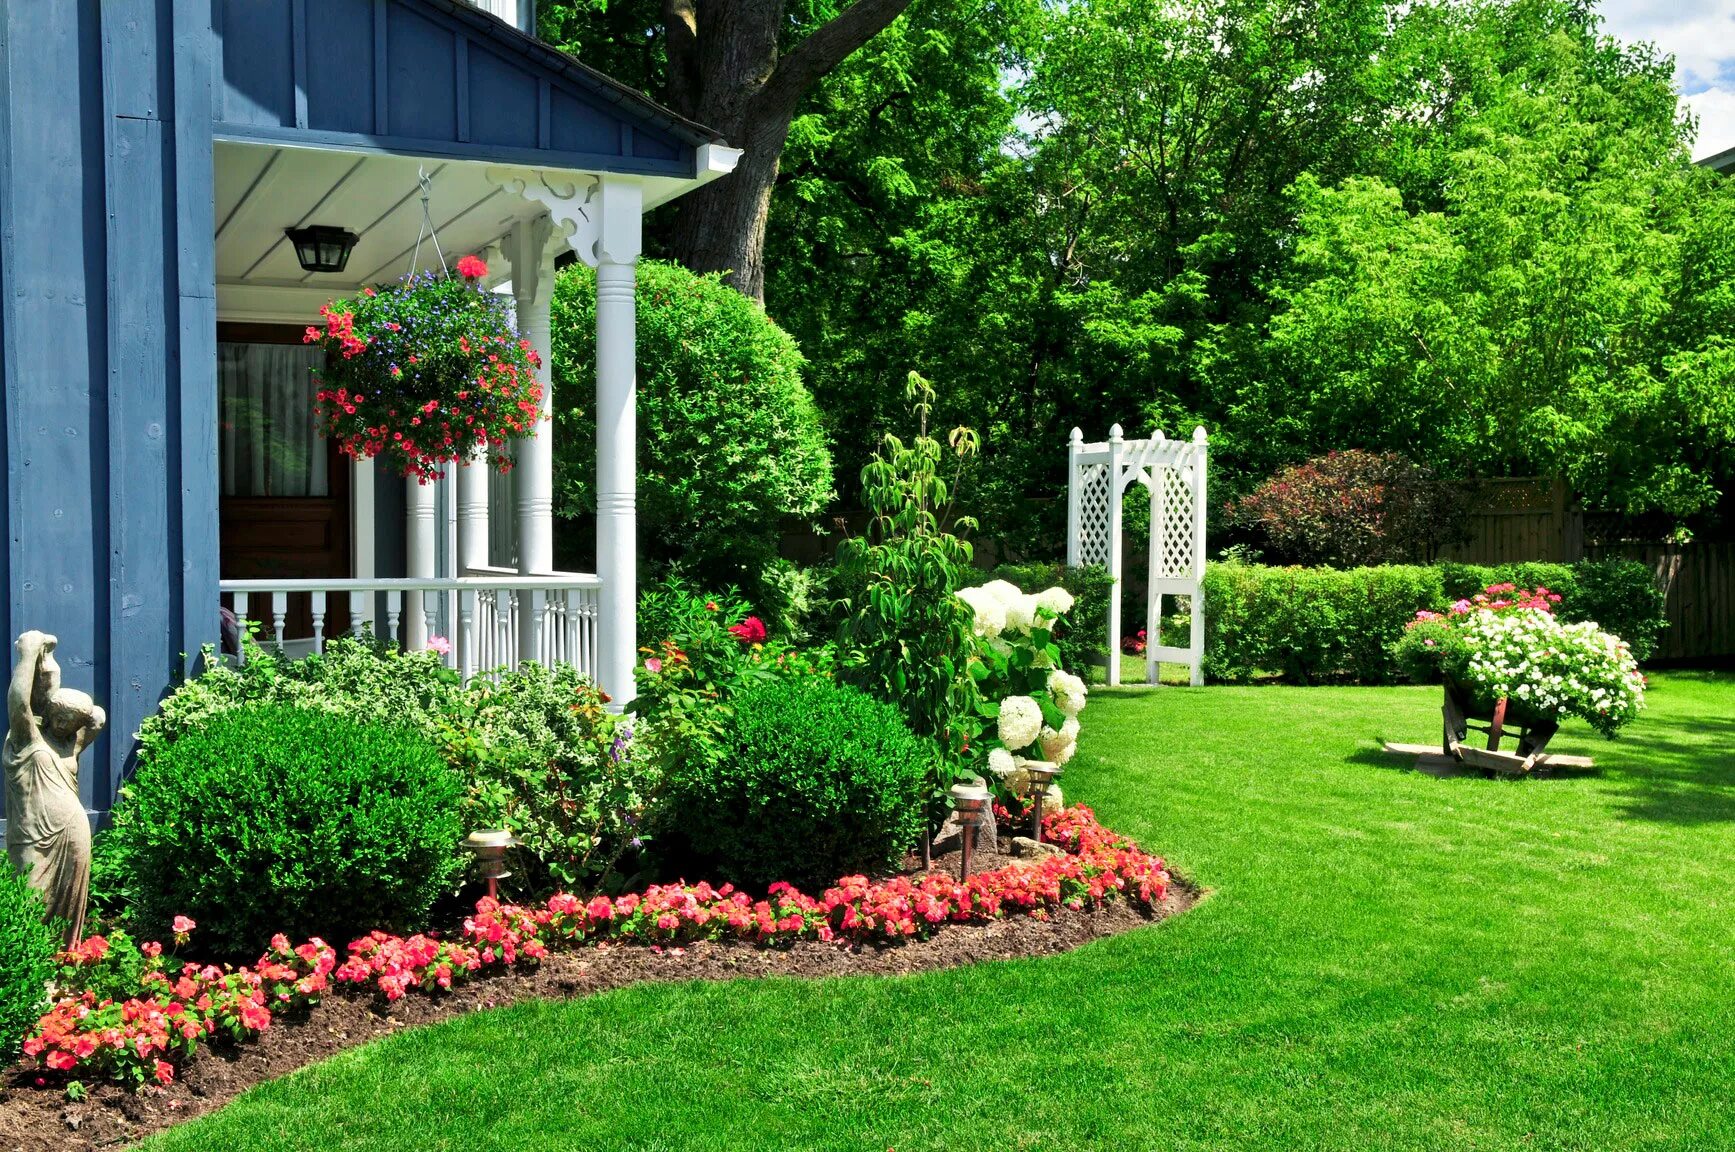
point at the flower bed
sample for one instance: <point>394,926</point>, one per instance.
<point>99,1028</point>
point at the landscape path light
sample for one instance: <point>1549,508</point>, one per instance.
<point>1039,774</point>
<point>970,800</point>
<point>489,846</point>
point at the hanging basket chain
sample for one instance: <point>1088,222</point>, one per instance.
<point>427,228</point>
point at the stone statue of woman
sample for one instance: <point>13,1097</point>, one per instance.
<point>47,832</point>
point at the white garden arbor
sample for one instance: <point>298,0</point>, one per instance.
<point>1173,473</point>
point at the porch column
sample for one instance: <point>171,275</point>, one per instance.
<point>420,558</point>
<point>532,263</point>
<point>620,208</point>
<point>473,514</point>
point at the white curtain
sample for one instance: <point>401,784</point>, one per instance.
<point>268,443</point>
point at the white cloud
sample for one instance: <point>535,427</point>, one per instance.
<point>1715,108</point>
<point>1700,34</point>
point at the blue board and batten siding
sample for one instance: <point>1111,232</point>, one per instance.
<point>430,78</point>
<point>108,114</point>
<point>108,337</point>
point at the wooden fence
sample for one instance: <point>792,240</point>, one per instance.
<point>1530,518</point>
<point>1699,580</point>
<point>1520,519</point>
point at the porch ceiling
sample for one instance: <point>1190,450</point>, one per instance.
<point>262,189</point>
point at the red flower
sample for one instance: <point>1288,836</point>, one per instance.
<point>471,268</point>
<point>749,631</point>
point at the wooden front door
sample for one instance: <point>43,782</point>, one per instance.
<point>284,508</point>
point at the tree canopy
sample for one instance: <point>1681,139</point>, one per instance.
<point>1464,229</point>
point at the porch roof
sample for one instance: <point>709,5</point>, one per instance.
<point>434,78</point>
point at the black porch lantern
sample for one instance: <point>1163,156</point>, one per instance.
<point>322,248</point>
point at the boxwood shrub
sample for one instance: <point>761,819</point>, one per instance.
<point>815,780</point>
<point>270,818</point>
<point>27,948</point>
<point>1310,625</point>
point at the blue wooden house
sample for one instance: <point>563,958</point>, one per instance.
<point>161,466</point>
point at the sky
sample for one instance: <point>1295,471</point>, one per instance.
<point>1701,36</point>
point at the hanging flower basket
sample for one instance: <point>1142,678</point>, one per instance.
<point>425,372</point>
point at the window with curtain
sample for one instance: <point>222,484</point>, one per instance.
<point>268,445</point>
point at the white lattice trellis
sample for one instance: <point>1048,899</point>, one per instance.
<point>1173,472</point>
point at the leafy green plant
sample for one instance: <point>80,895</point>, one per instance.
<point>270,818</point>
<point>730,443</point>
<point>360,679</point>
<point>906,635</point>
<point>814,781</point>
<point>27,948</point>
<point>542,757</point>
<point>702,650</point>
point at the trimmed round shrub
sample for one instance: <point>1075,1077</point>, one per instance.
<point>27,948</point>
<point>815,781</point>
<point>269,818</point>
<point>729,439</point>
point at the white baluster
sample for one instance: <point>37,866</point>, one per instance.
<point>279,613</point>
<point>394,609</point>
<point>318,622</point>
<point>356,604</point>
<point>241,621</point>
<point>466,646</point>
<point>505,602</point>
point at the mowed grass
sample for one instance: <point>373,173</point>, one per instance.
<point>1388,961</point>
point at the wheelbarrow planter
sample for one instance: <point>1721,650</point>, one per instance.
<point>1502,719</point>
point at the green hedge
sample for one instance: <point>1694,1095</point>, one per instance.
<point>27,948</point>
<point>1324,624</point>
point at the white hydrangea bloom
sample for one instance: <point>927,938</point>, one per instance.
<point>990,612</point>
<point>1020,721</point>
<point>1056,600</point>
<point>1068,691</point>
<point>1020,609</point>
<point>1001,762</point>
<point>1059,746</point>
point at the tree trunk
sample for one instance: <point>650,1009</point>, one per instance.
<point>726,73</point>
<point>721,227</point>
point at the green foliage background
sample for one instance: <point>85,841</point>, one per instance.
<point>1465,229</point>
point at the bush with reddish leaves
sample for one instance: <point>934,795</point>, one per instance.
<point>1355,508</point>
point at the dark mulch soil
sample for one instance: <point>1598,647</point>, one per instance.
<point>35,1115</point>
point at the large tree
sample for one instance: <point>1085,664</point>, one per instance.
<point>741,67</point>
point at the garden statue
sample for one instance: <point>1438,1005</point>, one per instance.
<point>47,832</point>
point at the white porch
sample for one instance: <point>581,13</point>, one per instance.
<point>469,560</point>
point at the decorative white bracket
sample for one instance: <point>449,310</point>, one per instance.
<point>599,217</point>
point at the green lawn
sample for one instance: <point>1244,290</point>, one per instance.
<point>1389,961</point>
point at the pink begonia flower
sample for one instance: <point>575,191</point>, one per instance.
<point>654,665</point>
<point>183,925</point>
<point>439,644</point>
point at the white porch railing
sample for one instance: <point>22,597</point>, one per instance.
<point>493,619</point>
